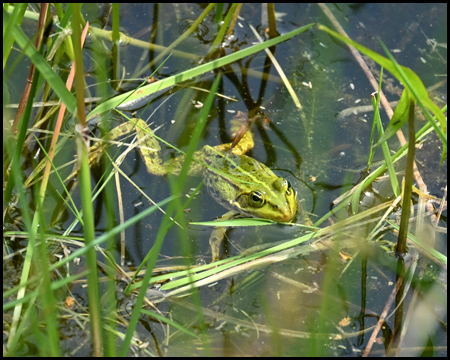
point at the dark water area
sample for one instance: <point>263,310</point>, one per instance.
<point>322,150</point>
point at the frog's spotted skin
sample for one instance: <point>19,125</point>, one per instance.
<point>242,184</point>
<point>236,181</point>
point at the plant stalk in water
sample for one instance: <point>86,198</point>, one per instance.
<point>407,191</point>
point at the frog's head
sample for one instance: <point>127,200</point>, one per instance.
<point>276,201</point>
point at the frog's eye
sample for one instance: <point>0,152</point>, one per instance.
<point>256,199</point>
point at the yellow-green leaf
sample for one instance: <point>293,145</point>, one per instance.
<point>398,120</point>
<point>409,79</point>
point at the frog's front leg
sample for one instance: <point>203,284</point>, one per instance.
<point>218,234</point>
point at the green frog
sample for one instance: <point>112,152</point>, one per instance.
<point>244,186</point>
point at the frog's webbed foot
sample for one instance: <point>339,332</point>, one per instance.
<point>218,235</point>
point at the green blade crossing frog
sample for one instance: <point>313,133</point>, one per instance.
<point>238,182</point>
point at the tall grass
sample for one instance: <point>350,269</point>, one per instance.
<point>35,303</point>
<point>14,152</point>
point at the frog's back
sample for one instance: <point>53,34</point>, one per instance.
<point>242,184</point>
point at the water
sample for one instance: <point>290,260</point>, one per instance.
<point>320,150</point>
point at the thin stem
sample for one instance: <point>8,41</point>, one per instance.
<point>407,192</point>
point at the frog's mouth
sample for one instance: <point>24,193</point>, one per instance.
<point>288,215</point>
<point>291,209</point>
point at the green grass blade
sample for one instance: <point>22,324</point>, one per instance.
<point>15,179</point>
<point>407,77</point>
<point>82,251</point>
<point>219,13</point>
<point>15,18</point>
<point>46,294</point>
<point>151,257</point>
<point>168,321</point>
<point>188,74</point>
<point>417,89</point>
<point>399,118</point>
<point>425,130</point>
<point>386,152</point>
<point>229,263</point>
<point>236,222</point>
<point>223,28</point>
<point>388,161</point>
<point>433,252</point>
<point>95,308</point>
<point>41,64</point>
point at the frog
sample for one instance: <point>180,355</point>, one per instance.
<point>240,183</point>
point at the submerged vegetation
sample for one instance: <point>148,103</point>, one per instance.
<point>91,269</point>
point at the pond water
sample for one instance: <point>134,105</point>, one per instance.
<point>321,150</point>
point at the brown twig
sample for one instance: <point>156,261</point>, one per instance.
<point>441,207</point>
<point>381,319</point>
<point>233,21</point>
